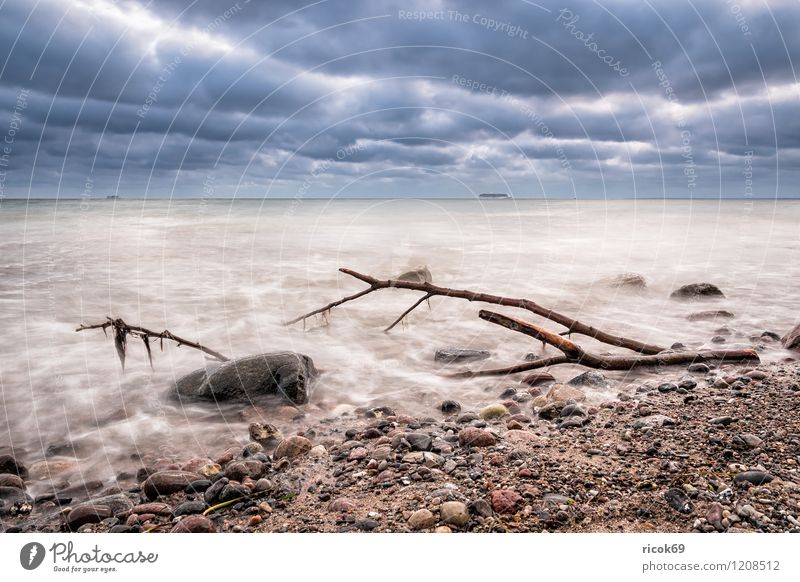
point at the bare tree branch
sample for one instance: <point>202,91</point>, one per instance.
<point>431,290</point>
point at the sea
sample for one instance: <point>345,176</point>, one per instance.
<point>229,273</point>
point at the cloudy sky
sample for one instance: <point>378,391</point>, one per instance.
<point>594,98</point>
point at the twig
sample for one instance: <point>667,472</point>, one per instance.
<point>409,310</point>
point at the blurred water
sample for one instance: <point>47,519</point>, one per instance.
<point>228,273</point>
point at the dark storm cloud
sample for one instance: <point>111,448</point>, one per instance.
<point>652,98</point>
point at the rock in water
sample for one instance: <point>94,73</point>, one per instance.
<point>286,373</point>
<point>417,275</point>
<point>590,378</point>
<point>694,291</point>
<point>633,281</point>
<point>710,315</point>
<point>791,341</point>
<point>10,465</point>
<point>455,355</point>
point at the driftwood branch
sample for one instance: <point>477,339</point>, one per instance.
<point>574,354</point>
<point>430,290</point>
<point>525,367</point>
<point>122,330</point>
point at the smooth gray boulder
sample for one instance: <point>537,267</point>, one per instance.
<point>284,373</point>
<point>419,274</point>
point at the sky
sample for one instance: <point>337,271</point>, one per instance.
<point>340,98</point>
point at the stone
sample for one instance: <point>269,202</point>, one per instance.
<point>264,434</point>
<point>633,281</point>
<point>189,508</point>
<point>342,505</point>
<point>318,452</point>
<point>476,437</point>
<point>366,524</point>
<point>292,447</point>
<point>791,341</point>
<point>87,513</point>
<point>754,477</point>
<point>457,355</point>
<point>211,496</point>
<point>537,378</point>
<point>419,441</point>
<point>450,407</point>
<point>653,421</point>
<point>678,501</point>
<point>167,482</point>
<point>153,507</point>
<point>481,507</point>
<point>421,519</point>
<point>419,274</point>
<point>493,411</point>
<point>574,410</point>
<point>454,513</point>
<point>714,515</point>
<point>286,373</point>
<point>590,379</point>
<point>505,500</point>
<point>722,420</point>
<point>667,387</point>
<point>238,470</point>
<point>718,339</point>
<point>194,524</point>
<point>552,410</point>
<point>710,315</point>
<point>10,465</point>
<point>11,480</point>
<point>695,291</point>
<point>747,441</point>
<point>357,454</point>
<point>698,368</point>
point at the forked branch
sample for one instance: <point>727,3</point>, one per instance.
<point>122,330</point>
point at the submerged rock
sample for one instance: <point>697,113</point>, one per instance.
<point>419,274</point>
<point>590,378</point>
<point>710,315</point>
<point>633,281</point>
<point>285,373</point>
<point>455,355</point>
<point>694,291</point>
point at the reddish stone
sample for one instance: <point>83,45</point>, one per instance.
<point>476,437</point>
<point>341,505</point>
<point>505,500</point>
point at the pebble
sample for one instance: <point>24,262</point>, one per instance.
<point>342,505</point>
<point>87,513</point>
<point>198,486</point>
<point>476,437</point>
<point>493,411</point>
<point>194,524</point>
<point>9,464</point>
<point>238,470</point>
<point>714,516</point>
<point>454,513</point>
<point>421,519</point>
<point>653,421</point>
<point>667,387</point>
<point>505,500</point>
<point>698,368</point>
<point>747,441</point>
<point>154,508</point>
<point>367,524</point>
<point>723,420</point>
<point>754,477</point>
<point>450,407</point>
<point>419,441</point>
<point>678,501</point>
<point>189,508</point>
<point>167,482</point>
<point>292,447</point>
